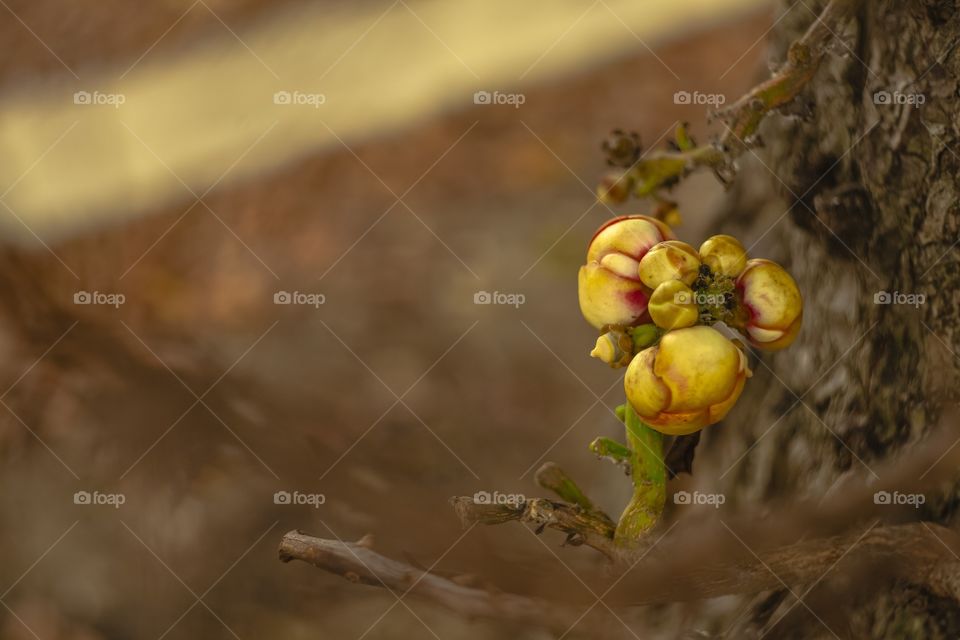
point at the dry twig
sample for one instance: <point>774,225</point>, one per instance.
<point>905,552</point>
<point>358,563</point>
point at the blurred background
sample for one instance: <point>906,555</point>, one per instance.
<point>327,249</point>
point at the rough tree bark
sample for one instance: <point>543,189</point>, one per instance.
<point>871,202</point>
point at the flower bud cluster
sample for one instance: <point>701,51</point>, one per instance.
<point>682,373</point>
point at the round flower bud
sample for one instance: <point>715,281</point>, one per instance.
<point>672,306</point>
<point>773,305</point>
<point>688,381</point>
<point>670,260</point>
<point>609,285</point>
<point>724,255</point>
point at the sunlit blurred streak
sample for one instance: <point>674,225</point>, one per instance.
<point>190,117</point>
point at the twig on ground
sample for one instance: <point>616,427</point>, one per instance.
<point>358,563</point>
<point>916,553</point>
<point>738,554</point>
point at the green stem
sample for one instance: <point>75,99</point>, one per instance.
<point>648,473</point>
<point>612,450</point>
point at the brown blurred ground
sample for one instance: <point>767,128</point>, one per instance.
<point>508,209</point>
<point>91,34</point>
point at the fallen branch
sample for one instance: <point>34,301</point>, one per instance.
<point>358,563</point>
<point>741,554</point>
<point>914,553</point>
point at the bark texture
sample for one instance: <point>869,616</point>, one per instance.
<point>866,202</point>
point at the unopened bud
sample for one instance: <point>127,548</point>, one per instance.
<point>672,306</point>
<point>669,260</point>
<point>773,304</point>
<point>610,289</point>
<point>724,255</point>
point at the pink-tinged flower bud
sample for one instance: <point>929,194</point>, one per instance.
<point>688,381</point>
<point>672,306</point>
<point>773,305</point>
<point>724,255</point>
<point>670,260</point>
<point>609,284</point>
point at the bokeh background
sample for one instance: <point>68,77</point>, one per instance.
<point>187,188</point>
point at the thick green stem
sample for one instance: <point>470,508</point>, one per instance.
<point>648,473</point>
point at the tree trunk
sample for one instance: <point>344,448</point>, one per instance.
<point>866,203</point>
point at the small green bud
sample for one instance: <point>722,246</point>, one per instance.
<point>644,336</point>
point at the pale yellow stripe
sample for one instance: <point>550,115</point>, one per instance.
<point>195,114</point>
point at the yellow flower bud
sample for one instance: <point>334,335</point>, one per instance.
<point>610,290</point>
<point>773,305</point>
<point>688,381</point>
<point>614,348</point>
<point>672,306</point>
<point>724,255</point>
<point>606,349</point>
<point>670,260</point>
